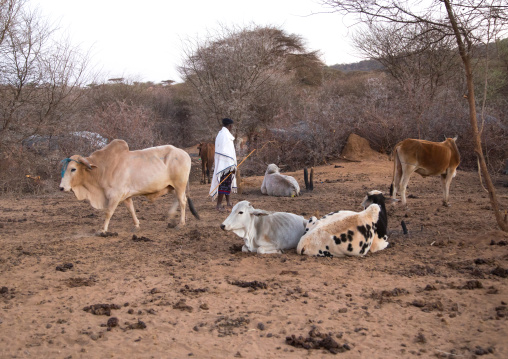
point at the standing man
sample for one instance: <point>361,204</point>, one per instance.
<point>225,166</point>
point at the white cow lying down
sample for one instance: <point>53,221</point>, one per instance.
<point>275,184</point>
<point>262,231</point>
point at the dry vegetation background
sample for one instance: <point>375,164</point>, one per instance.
<point>283,99</point>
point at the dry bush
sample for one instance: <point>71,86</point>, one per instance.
<point>34,165</point>
<point>243,73</point>
<point>133,123</point>
<point>309,132</point>
<point>168,106</point>
<point>315,126</point>
<point>24,171</point>
<point>178,122</point>
<point>495,145</point>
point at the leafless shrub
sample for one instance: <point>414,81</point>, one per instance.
<point>24,171</point>
<point>132,123</point>
<point>41,83</point>
<point>241,73</point>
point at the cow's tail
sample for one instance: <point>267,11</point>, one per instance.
<point>190,203</point>
<point>192,208</point>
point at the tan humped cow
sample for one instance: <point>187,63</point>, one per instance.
<point>427,159</point>
<point>114,174</point>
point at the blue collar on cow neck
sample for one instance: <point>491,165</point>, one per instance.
<point>65,163</point>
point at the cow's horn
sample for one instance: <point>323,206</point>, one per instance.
<point>84,161</point>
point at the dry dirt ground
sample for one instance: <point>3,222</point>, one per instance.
<point>439,291</point>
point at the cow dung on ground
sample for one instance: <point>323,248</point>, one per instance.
<point>358,149</point>
<point>442,251</point>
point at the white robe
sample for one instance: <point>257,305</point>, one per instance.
<point>225,160</point>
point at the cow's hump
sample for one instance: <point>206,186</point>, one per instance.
<point>113,149</point>
<point>116,146</point>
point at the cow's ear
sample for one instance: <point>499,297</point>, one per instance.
<point>259,212</point>
<point>391,200</point>
<point>87,163</point>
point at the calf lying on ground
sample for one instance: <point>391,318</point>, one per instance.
<point>346,232</point>
<point>262,231</point>
<point>276,184</point>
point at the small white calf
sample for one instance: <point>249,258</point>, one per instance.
<point>276,184</point>
<point>262,231</point>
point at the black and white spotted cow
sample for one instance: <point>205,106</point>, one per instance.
<point>348,233</point>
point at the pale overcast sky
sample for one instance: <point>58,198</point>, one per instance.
<point>142,39</point>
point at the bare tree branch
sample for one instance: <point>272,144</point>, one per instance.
<point>233,71</point>
<point>468,22</point>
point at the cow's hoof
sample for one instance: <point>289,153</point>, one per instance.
<point>446,204</point>
<point>106,234</point>
<point>173,224</point>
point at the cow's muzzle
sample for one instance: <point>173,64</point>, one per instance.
<point>62,189</point>
<point>223,227</point>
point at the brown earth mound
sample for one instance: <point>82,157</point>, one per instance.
<point>358,149</point>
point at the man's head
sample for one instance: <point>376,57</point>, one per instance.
<point>227,122</point>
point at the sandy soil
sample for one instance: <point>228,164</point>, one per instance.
<point>439,291</point>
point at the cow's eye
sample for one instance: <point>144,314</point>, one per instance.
<point>72,170</point>
<point>240,212</point>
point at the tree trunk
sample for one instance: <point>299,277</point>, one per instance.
<point>466,59</point>
<point>479,151</point>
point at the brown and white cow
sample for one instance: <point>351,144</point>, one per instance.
<point>207,155</point>
<point>114,174</point>
<point>427,159</point>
